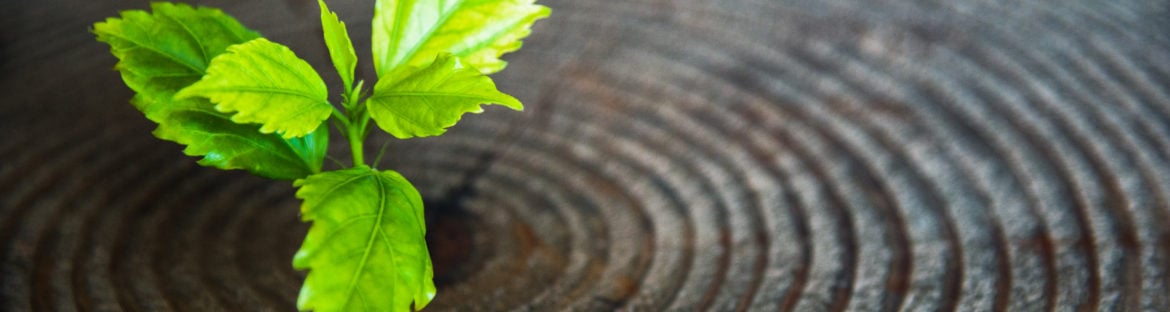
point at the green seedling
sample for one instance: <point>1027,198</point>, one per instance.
<point>243,102</point>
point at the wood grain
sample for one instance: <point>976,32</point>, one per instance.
<point>674,155</point>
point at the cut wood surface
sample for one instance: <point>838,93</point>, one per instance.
<point>727,155</point>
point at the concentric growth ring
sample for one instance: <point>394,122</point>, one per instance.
<point>686,155</point>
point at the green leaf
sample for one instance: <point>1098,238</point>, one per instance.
<point>265,83</point>
<point>366,249</point>
<point>420,102</point>
<point>163,52</point>
<point>169,49</point>
<point>411,32</point>
<point>340,47</point>
<point>228,145</point>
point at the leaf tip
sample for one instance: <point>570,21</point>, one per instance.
<point>511,102</point>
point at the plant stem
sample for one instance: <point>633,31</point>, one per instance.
<point>354,135</point>
<point>354,120</point>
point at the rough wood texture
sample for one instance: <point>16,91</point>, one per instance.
<point>691,155</point>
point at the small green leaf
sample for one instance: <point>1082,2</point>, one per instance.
<point>265,83</point>
<point>169,49</point>
<point>340,47</point>
<point>411,32</point>
<point>420,102</point>
<point>366,249</point>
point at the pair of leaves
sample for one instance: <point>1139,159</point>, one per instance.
<point>427,55</point>
<point>408,33</point>
<point>163,52</point>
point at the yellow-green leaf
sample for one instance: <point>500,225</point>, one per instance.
<point>366,249</point>
<point>265,83</point>
<point>412,32</point>
<point>420,102</point>
<point>340,47</point>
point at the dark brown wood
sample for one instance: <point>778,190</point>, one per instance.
<point>674,155</point>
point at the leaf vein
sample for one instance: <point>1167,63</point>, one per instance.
<point>204,53</point>
<point>193,67</point>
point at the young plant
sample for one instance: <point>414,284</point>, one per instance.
<point>243,102</point>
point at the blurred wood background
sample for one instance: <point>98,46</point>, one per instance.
<point>674,155</point>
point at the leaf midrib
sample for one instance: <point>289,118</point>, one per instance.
<point>159,52</point>
<point>430,32</point>
<point>232,89</point>
<point>375,229</point>
<point>431,94</point>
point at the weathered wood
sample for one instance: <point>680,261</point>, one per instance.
<point>682,155</point>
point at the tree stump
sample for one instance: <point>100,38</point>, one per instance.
<point>674,155</point>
